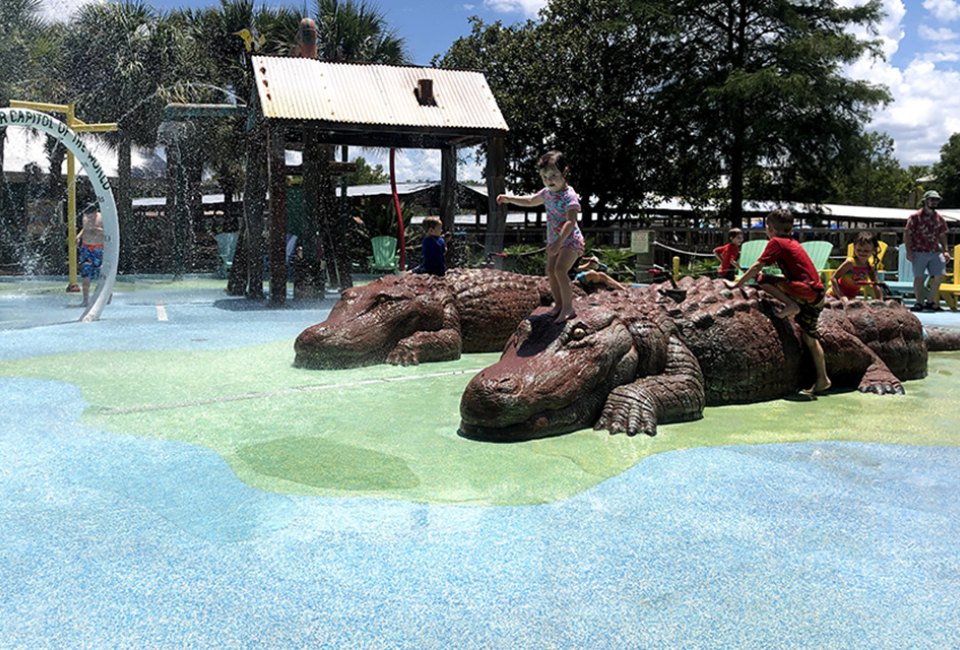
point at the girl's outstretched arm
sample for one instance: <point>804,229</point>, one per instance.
<point>523,201</point>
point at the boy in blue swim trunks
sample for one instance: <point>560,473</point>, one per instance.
<point>90,241</point>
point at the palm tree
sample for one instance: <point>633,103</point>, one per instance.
<point>122,57</point>
<point>21,26</point>
<point>224,63</point>
<point>348,31</point>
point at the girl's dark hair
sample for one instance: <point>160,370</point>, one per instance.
<point>554,159</point>
<point>870,238</point>
<point>733,232</point>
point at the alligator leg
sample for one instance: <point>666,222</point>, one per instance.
<point>442,345</point>
<point>676,395</point>
<point>846,354</point>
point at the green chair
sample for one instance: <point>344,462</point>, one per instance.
<point>750,251</point>
<point>385,257</point>
<point>226,248</point>
<point>819,252</point>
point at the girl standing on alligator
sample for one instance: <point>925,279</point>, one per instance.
<point>856,273</point>
<point>564,239</point>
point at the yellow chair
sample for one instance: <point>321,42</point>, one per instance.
<point>883,251</point>
<point>950,291</point>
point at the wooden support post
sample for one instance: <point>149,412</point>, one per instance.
<point>448,187</point>
<point>496,184</point>
<point>278,218</point>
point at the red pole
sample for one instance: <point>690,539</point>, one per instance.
<point>396,206</point>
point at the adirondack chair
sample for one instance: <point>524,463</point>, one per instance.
<point>949,291</point>
<point>819,252</point>
<point>903,285</point>
<point>878,263</point>
<point>750,251</point>
<point>385,257</point>
<point>226,248</point>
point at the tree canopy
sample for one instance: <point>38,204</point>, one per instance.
<point>687,98</point>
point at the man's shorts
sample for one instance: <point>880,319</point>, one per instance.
<point>809,300</point>
<point>933,263</point>
<point>91,259</point>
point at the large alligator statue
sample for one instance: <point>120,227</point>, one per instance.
<point>632,359</point>
<point>410,319</point>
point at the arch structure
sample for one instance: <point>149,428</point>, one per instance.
<point>101,184</point>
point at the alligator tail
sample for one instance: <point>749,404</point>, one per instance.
<point>941,339</point>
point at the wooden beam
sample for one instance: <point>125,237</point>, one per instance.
<point>448,187</point>
<point>496,184</point>
<point>278,220</point>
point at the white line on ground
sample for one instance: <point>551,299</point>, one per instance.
<point>286,391</point>
<point>161,312</point>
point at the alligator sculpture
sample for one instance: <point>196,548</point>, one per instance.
<point>632,359</point>
<point>412,318</point>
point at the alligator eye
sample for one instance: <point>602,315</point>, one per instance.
<point>578,333</point>
<point>382,298</point>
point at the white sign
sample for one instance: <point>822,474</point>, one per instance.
<point>101,185</point>
<point>640,241</point>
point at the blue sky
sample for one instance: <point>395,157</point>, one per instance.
<point>921,41</point>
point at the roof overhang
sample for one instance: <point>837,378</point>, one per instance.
<point>376,105</point>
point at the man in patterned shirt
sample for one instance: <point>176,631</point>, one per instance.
<point>925,238</point>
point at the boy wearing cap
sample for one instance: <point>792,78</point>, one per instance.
<point>925,239</point>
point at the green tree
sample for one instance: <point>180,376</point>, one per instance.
<point>759,85</point>
<point>583,81</point>
<point>947,172</point>
<point>21,26</point>
<point>873,176</point>
<point>367,175</point>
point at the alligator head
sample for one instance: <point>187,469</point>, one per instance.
<point>555,378</point>
<point>368,321</point>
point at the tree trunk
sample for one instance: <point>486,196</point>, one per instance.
<point>448,187</point>
<point>193,167</point>
<point>254,201</point>
<point>343,226</point>
<point>129,235</point>
<point>330,236</point>
<point>308,276</point>
<point>496,184</point>
<point>173,201</point>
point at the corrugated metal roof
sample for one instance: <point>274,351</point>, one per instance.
<point>350,93</point>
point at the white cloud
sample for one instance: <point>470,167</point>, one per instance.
<point>936,35</point>
<point>920,118</point>
<point>527,7</point>
<point>61,10</point>
<point>943,9</point>
<point>420,164</point>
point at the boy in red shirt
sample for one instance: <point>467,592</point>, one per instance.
<point>729,255</point>
<point>799,288</point>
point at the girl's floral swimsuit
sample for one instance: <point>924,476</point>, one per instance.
<point>557,204</point>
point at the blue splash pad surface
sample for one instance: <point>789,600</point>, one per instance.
<point>111,541</point>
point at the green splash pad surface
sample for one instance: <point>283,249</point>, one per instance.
<point>391,432</point>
